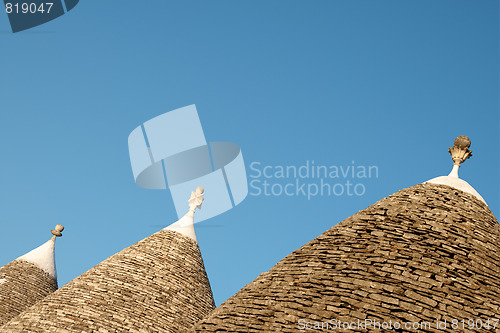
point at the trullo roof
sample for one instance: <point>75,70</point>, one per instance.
<point>424,254</point>
<point>28,279</point>
<point>156,285</point>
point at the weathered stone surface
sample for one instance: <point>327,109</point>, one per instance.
<point>426,253</point>
<point>22,285</point>
<point>156,285</point>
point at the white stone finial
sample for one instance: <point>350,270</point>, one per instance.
<point>196,199</point>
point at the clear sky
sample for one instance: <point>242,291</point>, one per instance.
<point>382,83</point>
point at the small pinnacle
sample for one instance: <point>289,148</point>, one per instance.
<point>460,150</point>
<point>57,232</point>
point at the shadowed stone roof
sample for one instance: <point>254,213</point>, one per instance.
<point>22,284</point>
<point>156,285</point>
<point>427,252</point>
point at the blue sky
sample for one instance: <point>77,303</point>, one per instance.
<point>381,83</point>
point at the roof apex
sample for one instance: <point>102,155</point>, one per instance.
<point>43,256</point>
<point>184,226</point>
<point>459,153</point>
<point>457,183</point>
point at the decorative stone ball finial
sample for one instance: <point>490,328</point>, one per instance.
<point>196,199</point>
<point>58,230</point>
<point>460,150</point>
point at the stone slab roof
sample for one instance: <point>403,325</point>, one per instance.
<point>425,253</point>
<point>156,285</point>
<point>22,284</point>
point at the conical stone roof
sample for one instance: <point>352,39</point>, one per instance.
<point>156,285</point>
<point>429,252</point>
<point>28,279</point>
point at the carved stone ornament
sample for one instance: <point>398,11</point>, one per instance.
<point>460,150</point>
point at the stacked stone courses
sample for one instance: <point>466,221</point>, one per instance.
<point>23,285</point>
<point>427,253</point>
<point>156,285</point>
